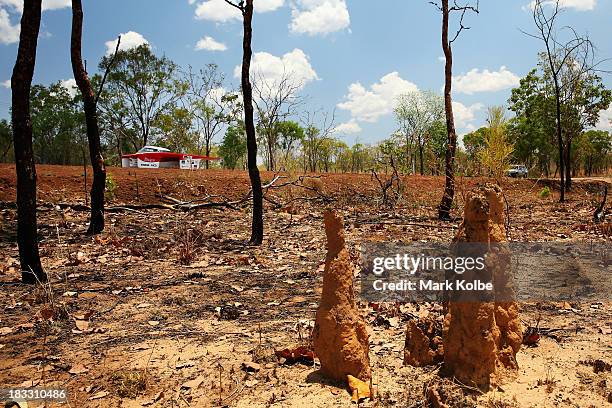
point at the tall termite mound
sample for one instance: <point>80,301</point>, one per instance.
<point>340,338</point>
<point>482,338</point>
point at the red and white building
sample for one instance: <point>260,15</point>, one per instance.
<point>153,157</point>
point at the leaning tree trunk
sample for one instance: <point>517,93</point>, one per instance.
<point>451,146</point>
<point>96,221</point>
<point>257,228</point>
<point>21,82</point>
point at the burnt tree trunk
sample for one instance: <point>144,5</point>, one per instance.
<point>96,221</point>
<point>568,166</point>
<point>421,158</point>
<point>451,146</point>
<point>257,228</point>
<point>561,164</point>
<point>21,82</point>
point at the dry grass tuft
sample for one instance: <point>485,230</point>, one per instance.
<point>130,383</point>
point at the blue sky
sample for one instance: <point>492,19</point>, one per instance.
<point>352,55</point>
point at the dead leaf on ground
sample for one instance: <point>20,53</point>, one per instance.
<point>78,369</point>
<point>193,384</point>
<point>251,383</point>
<point>5,330</point>
<point>82,325</point>
<point>153,400</point>
<point>83,315</point>
<point>99,395</point>
<point>359,389</point>
<point>299,354</point>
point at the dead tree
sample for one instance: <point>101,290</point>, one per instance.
<point>394,183</point>
<point>319,125</point>
<point>568,63</point>
<point>209,106</point>
<point>21,82</point>
<point>451,144</point>
<point>96,220</point>
<point>257,227</point>
<point>275,100</point>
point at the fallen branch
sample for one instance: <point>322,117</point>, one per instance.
<point>400,222</point>
<point>600,214</point>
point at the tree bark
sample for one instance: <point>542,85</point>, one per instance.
<point>21,82</point>
<point>421,159</point>
<point>96,220</point>
<point>559,136</point>
<point>257,228</point>
<point>451,146</point>
<point>568,165</point>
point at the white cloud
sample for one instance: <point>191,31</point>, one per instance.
<point>70,85</point>
<point>129,40</point>
<point>314,17</point>
<point>263,6</point>
<point>46,4</point>
<point>605,120</point>
<point>465,115</point>
<point>55,4</point>
<point>369,105</point>
<point>8,33</point>
<point>6,84</point>
<point>580,5</point>
<point>485,81</point>
<point>348,128</point>
<point>217,10</point>
<point>17,5</point>
<point>221,12</point>
<point>210,44</point>
<point>294,64</point>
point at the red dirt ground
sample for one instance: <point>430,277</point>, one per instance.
<point>165,334</point>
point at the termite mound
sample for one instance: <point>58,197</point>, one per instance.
<point>340,338</point>
<point>423,345</point>
<point>482,338</point>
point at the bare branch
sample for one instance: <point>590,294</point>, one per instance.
<point>107,70</point>
<point>238,6</point>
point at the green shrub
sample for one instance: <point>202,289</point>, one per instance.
<point>110,187</point>
<point>545,192</point>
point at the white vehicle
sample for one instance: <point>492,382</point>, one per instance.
<point>154,157</point>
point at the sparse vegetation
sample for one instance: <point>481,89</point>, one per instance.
<point>279,273</point>
<point>110,187</point>
<point>545,192</point>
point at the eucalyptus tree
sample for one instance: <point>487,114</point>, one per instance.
<point>142,86</point>
<point>568,59</point>
<point>275,101</point>
<point>209,103</point>
<point>416,113</point>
